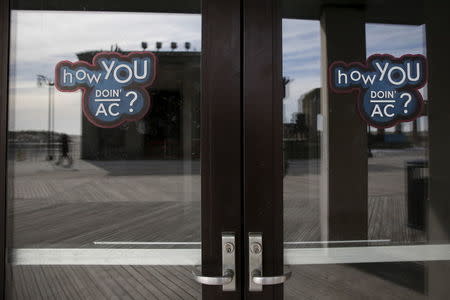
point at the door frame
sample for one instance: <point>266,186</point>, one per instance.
<point>263,137</point>
<point>4,72</point>
<point>221,136</point>
<point>221,130</point>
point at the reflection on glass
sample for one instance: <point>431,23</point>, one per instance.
<point>393,280</point>
<point>301,117</point>
<point>75,186</point>
<point>397,155</point>
<point>398,183</point>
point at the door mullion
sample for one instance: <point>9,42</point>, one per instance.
<point>221,138</point>
<point>263,167</point>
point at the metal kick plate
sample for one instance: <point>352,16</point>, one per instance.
<point>229,259</point>
<point>255,254</point>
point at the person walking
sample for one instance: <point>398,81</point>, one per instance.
<point>64,151</point>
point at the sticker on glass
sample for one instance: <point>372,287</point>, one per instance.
<point>387,87</point>
<point>114,86</point>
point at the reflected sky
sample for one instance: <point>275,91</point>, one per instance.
<point>301,53</point>
<point>39,40</point>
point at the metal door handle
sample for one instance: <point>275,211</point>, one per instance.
<point>261,280</point>
<point>228,278</point>
<point>223,280</point>
<point>255,265</point>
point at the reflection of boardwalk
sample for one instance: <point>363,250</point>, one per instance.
<point>386,201</point>
<point>360,281</point>
<point>102,283</point>
<point>148,201</point>
<point>122,200</point>
<point>74,225</point>
<point>57,207</point>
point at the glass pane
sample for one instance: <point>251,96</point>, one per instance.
<point>104,210</point>
<point>361,219</point>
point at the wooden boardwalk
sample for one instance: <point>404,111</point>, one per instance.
<point>102,282</point>
<point>160,202</point>
<point>174,282</point>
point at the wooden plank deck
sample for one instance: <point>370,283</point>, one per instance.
<point>102,282</point>
<point>174,282</point>
<point>159,202</point>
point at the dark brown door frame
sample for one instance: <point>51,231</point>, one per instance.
<point>263,136</point>
<point>221,136</point>
<point>4,65</point>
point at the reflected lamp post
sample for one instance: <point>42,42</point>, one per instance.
<point>45,81</point>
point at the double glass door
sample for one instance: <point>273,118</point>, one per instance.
<point>225,149</point>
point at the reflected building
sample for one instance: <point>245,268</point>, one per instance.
<point>310,103</point>
<point>301,135</point>
<point>171,128</point>
<point>413,133</point>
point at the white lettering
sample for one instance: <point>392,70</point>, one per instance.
<point>80,72</point>
<point>108,69</point>
<point>93,77</point>
<point>386,108</point>
<point>101,110</point>
<point>130,73</point>
<point>367,78</point>
<point>403,76</point>
<point>65,74</point>
<point>110,109</point>
<point>376,111</point>
<point>340,75</point>
<point>382,70</point>
<point>107,93</point>
<point>408,70</point>
<point>135,63</point>
<point>115,93</point>
<point>352,77</point>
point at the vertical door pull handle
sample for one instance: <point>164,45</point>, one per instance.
<point>255,265</point>
<point>228,278</point>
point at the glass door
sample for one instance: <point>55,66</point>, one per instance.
<point>346,148</point>
<point>123,149</point>
<point>239,144</point>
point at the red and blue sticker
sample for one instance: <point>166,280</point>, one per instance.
<point>114,86</point>
<point>387,87</point>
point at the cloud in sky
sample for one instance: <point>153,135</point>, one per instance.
<point>40,39</point>
<point>395,39</point>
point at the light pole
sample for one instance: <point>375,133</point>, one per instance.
<point>41,81</point>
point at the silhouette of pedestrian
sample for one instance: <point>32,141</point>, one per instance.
<point>64,149</point>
